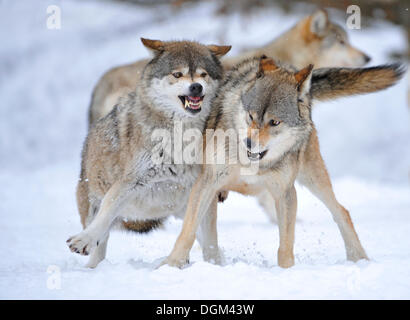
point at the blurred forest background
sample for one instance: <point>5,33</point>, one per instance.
<point>396,11</point>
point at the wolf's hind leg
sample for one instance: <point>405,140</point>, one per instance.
<point>207,235</point>
<point>267,202</point>
<point>98,253</point>
<point>314,176</point>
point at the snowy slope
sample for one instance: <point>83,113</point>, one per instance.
<point>46,77</point>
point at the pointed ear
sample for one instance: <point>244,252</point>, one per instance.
<point>302,78</point>
<point>153,45</point>
<point>219,51</point>
<point>265,65</point>
<point>318,22</point>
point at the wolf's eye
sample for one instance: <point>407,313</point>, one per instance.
<point>250,117</point>
<point>203,74</point>
<point>177,74</point>
<point>342,42</point>
<point>273,123</point>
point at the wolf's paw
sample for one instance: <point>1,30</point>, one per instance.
<point>82,243</point>
<point>216,260</point>
<point>213,256</point>
<point>285,259</point>
<point>177,263</point>
<point>356,255</point>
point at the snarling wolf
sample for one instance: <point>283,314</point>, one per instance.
<point>269,106</point>
<point>315,39</point>
<point>120,184</point>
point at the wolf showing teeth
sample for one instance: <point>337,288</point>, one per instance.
<point>120,183</point>
<point>270,105</point>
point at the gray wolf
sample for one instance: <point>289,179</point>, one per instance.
<point>120,184</point>
<point>269,106</point>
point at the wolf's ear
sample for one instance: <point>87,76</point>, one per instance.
<point>219,51</point>
<point>318,22</point>
<point>265,65</point>
<point>153,45</point>
<point>303,78</point>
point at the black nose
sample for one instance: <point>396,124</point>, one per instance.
<point>195,89</point>
<point>248,143</point>
<point>367,58</point>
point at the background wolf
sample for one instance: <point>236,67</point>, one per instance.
<point>272,105</point>
<point>119,180</point>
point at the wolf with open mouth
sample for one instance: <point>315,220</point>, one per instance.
<point>269,106</point>
<point>120,183</point>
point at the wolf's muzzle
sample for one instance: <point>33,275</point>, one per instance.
<point>195,89</point>
<point>192,104</point>
<point>253,156</point>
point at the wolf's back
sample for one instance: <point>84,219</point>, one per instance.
<point>333,83</point>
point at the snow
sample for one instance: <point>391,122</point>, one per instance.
<point>46,78</point>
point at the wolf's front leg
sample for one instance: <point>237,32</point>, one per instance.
<point>207,235</point>
<point>202,195</point>
<point>286,205</point>
<point>97,232</point>
<point>98,253</point>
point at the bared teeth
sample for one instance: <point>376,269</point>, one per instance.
<point>192,104</point>
<point>256,155</point>
<point>194,99</point>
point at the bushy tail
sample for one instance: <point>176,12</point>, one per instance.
<point>142,226</point>
<point>333,83</point>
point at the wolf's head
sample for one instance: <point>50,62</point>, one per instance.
<point>328,43</point>
<point>277,110</point>
<point>277,101</point>
<point>183,76</point>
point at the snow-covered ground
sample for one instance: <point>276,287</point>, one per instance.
<point>46,78</point>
